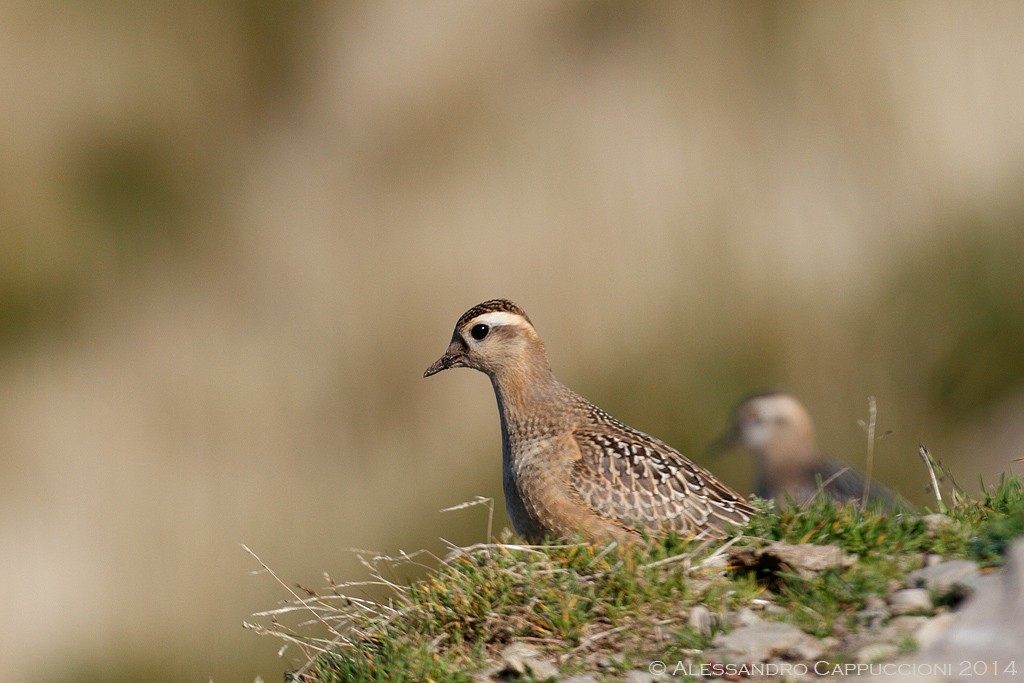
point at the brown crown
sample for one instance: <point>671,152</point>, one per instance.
<point>492,306</point>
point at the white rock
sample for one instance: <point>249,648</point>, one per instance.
<point>758,642</point>
<point>910,600</point>
<point>700,620</point>
<point>942,578</point>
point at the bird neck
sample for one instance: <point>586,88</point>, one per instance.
<point>526,392</point>
<point>789,459</point>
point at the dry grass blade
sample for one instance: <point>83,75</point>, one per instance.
<point>305,602</point>
<point>926,456</point>
<point>478,500</point>
<point>870,429</point>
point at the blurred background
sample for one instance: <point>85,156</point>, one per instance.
<point>234,234</point>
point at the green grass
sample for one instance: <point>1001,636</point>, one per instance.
<point>576,602</point>
<point>999,518</point>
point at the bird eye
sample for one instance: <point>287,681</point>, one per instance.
<point>479,331</point>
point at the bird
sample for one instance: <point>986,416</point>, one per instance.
<point>569,469</point>
<point>776,429</point>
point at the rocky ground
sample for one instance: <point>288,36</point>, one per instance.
<point>982,638</point>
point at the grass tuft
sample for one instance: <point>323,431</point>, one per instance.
<point>604,609</point>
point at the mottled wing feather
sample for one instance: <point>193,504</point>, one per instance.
<point>642,483</point>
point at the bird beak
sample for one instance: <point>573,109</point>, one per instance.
<point>454,357</point>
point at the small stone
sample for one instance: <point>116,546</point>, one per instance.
<point>808,649</point>
<point>542,669</point>
<point>933,629</point>
<point>902,628</point>
<point>585,678</point>
<point>806,559</point>
<point>809,557</point>
<point>746,617</point>
<point>932,559</point>
<point>874,602</point>
<point>513,658</point>
<point>910,600</point>
<point>942,578</point>
<point>758,642</point>
<point>876,652</point>
<point>700,620</point>
<point>518,659</point>
<point>875,611</point>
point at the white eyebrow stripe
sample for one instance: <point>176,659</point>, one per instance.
<point>499,318</point>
